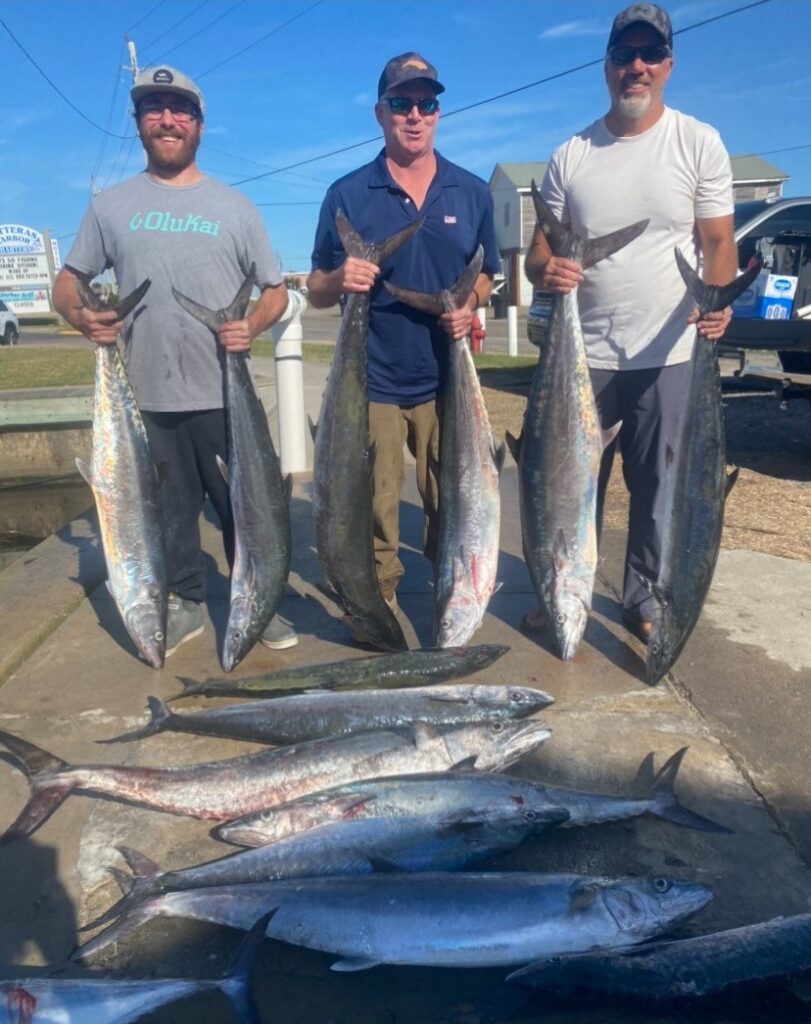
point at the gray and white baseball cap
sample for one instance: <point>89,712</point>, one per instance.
<point>166,79</point>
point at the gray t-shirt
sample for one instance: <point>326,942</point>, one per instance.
<point>201,239</point>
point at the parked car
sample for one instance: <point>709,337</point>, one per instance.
<point>778,230</point>
<point>9,326</point>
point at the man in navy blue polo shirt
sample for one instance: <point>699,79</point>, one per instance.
<point>407,350</point>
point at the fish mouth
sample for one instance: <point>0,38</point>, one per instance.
<point>524,739</point>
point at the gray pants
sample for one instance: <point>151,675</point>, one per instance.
<point>650,404</point>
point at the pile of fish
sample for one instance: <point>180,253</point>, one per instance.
<point>358,831</point>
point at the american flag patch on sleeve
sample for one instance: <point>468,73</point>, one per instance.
<point>449,218</point>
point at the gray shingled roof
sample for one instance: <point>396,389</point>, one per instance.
<point>744,168</point>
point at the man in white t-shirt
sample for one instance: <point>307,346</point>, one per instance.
<point>642,160</point>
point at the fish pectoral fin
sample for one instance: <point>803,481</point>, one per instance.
<point>425,735</point>
<point>223,468</point>
<point>610,434</point>
<point>354,963</point>
<point>467,764</point>
<point>384,866</point>
<point>85,471</point>
<point>560,552</point>
<point>583,896</point>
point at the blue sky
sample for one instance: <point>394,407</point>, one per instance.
<point>308,88</point>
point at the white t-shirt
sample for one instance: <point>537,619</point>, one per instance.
<point>634,304</point>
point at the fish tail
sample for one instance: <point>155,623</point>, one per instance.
<point>161,715</point>
<point>122,927</point>
<point>143,884</point>
<point>355,246</point>
<point>235,985</point>
<point>47,793</point>
<point>667,806</point>
<point>447,300</point>
<point>712,297</point>
<point>191,688</point>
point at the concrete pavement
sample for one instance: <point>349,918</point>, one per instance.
<point>739,698</point>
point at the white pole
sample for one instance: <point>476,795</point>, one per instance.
<point>512,330</point>
<point>287,335</point>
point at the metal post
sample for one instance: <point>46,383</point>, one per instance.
<point>287,335</point>
<point>512,330</point>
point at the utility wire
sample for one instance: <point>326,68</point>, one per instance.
<point>151,11</point>
<point>171,28</point>
<point>56,88</point>
<point>194,35</point>
<point>261,39</point>
<point>499,96</point>
<point>103,147</point>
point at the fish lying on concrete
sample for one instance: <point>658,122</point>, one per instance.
<point>469,469</point>
<point>117,1001</point>
<point>407,668</point>
<point>437,919</point>
<point>560,450</point>
<point>684,968</point>
<point>420,842</point>
<point>228,789</point>
<point>125,486</point>
<point>696,486</point>
<point>449,792</point>
<point>342,462</point>
<point>259,495</point>
<point>306,716</point>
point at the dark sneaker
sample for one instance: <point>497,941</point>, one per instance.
<point>278,635</point>
<point>184,621</point>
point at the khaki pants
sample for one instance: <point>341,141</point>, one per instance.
<point>390,427</point>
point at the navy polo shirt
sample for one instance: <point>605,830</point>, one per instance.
<point>408,350</point>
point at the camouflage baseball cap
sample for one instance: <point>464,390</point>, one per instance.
<point>165,79</point>
<point>408,67</point>
<point>647,14</point>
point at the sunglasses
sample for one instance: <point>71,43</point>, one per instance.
<point>403,105</point>
<point>181,110</point>
<point>622,56</point>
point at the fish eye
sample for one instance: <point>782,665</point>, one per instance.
<point>661,885</point>
<point>517,697</point>
<point>655,648</point>
<point>560,618</point>
<point>158,635</point>
<point>497,726</point>
<point>530,816</point>
<point>445,623</point>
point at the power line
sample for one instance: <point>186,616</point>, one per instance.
<point>171,28</point>
<point>103,146</point>
<point>499,96</point>
<point>194,35</point>
<point>151,11</point>
<point>56,88</point>
<point>261,39</point>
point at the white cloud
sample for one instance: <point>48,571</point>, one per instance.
<point>582,27</point>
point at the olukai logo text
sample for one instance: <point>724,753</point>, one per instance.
<point>162,220</point>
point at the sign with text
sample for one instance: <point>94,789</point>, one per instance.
<point>34,301</point>
<point>24,270</point>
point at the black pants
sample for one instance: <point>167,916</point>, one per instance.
<point>184,446</point>
<point>650,405</point>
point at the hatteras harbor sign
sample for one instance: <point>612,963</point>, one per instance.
<point>24,266</point>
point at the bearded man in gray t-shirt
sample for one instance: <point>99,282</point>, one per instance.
<point>185,230</point>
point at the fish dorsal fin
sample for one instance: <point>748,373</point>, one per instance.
<point>499,454</point>
<point>467,764</point>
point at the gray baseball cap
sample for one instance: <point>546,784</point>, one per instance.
<point>408,67</point>
<point>165,79</point>
<point>647,14</point>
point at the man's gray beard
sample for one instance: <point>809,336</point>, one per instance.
<point>634,107</point>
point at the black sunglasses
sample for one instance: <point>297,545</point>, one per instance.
<point>403,105</point>
<point>622,56</point>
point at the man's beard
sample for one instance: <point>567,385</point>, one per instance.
<point>180,156</point>
<point>634,107</point>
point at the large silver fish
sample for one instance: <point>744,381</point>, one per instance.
<point>469,468</point>
<point>259,495</point>
<point>228,789</point>
<point>125,487</point>
<point>560,450</point>
<point>420,842</point>
<point>342,479</point>
<point>696,486</point>
<point>476,792</point>
<point>684,968</point>
<point>406,668</point>
<point>307,716</point>
<point>438,919</point>
<point>118,1001</point>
